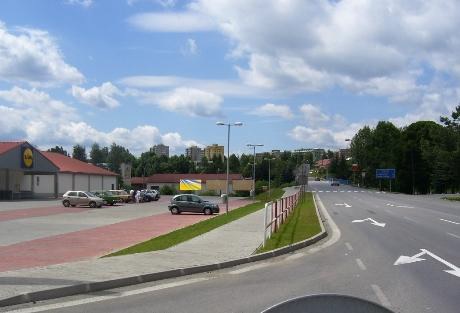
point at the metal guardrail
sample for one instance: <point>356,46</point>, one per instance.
<point>277,212</point>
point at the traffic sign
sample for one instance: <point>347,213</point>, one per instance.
<point>385,173</point>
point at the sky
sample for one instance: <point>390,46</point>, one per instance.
<point>297,74</point>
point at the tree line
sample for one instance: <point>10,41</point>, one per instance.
<point>425,154</point>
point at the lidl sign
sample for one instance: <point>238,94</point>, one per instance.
<point>27,157</point>
<point>190,184</point>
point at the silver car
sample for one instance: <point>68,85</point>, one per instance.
<point>74,198</point>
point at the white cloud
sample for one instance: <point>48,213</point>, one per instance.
<point>313,115</point>
<point>365,46</point>
<point>191,47</point>
<point>270,109</point>
<point>101,97</point>
<point>34,116</point>
<point>188,101</point>
<point>183,22</point>
<point>31,55</point>
<point>83,3</point>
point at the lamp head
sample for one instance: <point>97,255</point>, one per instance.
<point>220,123</point>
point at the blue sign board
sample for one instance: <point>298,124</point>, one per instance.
<point>385,173</point>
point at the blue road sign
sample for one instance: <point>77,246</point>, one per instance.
<point>385,173</point>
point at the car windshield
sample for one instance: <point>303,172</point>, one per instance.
<point>90,194</point>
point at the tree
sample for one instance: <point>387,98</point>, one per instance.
<point>59,149</point>
<point>118,155</point>
<point>234,164</point>
<point>98,155</point>
<point>454,122</point>
<point>79,153</point>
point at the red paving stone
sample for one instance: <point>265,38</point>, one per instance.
<point>37,212</point>
<point>95,242</point>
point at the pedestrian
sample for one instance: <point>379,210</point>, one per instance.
<point>138,195</point>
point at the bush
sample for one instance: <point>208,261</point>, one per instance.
<point>168,190</point>
<point>240,193</point>
<point>261,186</point>
<point>210,193</point>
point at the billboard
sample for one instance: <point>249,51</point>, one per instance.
<point>27,157</point>
<point>385,173</point>
<point>190,184</point>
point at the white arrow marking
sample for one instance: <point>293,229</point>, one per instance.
<point>411,259</point>
<point>373,222</point>
<point>344,204</point>
<point>449,221</point>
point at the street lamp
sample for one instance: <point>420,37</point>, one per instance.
<point>228,155</point>
<point>254,169</point>
<point>269,177</point>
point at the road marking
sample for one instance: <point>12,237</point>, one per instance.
<point>361,264</point>
<point>249,268</point>
<point>403,259</point>
<point>67,304</point>
<point>449,221</point>
<point>343,204</point>
<point>295,256</point>
<point>381,296</point>
<point>453,235</point>
<point>320,191</point>
<point>356,191</point>
<point>405,206</point>
<point>342,190</point>
<point>335,191</point>
<point>349,191</point>
<point>349,247</point>
<point>362,191</point>
<point>410,219</point>
<point>373,222</point>
<point>328,191</point>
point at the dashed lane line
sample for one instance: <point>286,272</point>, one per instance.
<point>454,235</point>
<point>349,247</point>
<point>361,264</point>
<point>449,221</point>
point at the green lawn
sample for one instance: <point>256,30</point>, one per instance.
<point>452,198</point>
<point>302,224</point>
<point>180,235</point>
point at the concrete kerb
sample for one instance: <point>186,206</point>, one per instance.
<point>134,280</point>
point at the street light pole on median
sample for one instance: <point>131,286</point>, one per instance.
<point>254,169</point>
<point>228,156</point>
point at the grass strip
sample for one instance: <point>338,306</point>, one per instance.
<point>302,224</point>
<point>452,198</point>
<point>183,234</point>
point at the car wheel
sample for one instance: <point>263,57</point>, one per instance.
<point>66,203</point>
<point>207,211</point>
<point>175,210</point>
<point>73,205</point>
<point>92,204</point>
<point>111,203</point>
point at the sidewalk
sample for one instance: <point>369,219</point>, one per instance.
<point>235,240</point>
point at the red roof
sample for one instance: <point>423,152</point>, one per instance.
<point>175,178</point>
<point>7,146</point>
<point>68,165</point>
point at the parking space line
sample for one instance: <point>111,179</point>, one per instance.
<point>452,222</point>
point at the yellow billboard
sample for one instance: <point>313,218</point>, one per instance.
<point>190,184</point>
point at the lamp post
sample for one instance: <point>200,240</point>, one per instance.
<point>228,155</point>
<point>304,179</point>
<point>254,169</point>
<point>269,177</point>
<point>349,140</point>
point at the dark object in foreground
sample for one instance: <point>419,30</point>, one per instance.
<point>327,303</point>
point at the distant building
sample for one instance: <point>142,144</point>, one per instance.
<point>346,153</point>
<point>195,153</point>
<point>276,153</point>
<point>161,150</point>
<point>211,151</point>
<point>317,154</point>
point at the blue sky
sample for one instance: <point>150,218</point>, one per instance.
<point>296,73</point>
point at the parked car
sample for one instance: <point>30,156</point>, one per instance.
<point>335,183</point>
<point>122,194</point>
<point>153,194</point>
<point>74,198</point>
<point>192,203</point>
<point>108,197</point>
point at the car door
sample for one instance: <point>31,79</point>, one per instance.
<point>73,198</point>
<point>82,198</point>
<point>194,203</point>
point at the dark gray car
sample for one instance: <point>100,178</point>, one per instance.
<point>192,203</point>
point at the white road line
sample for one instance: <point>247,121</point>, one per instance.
<point>356,191</point>
<point>295,256</point>
<point>328,191</point>
<point>410,219</point>
<point>320,191</point>
<point>349,247</point>
<point>361,264</point>
<point>349,191</point>
<point>381,296</point>
<point>449,221</point>
<point>342,190</point>
<point>67,304</point>
<point>335,191</point>
<point>454,235</point>
<point>249,268</point>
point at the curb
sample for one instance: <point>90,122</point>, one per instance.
<point>133,280</point>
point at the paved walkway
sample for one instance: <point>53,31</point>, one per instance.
<point>234,240</point>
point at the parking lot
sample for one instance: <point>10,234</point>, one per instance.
<point>38,233</point>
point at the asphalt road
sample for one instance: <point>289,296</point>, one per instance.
<point>360,263</point>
